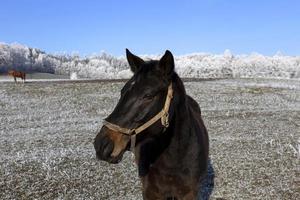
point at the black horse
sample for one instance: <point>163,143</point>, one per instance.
<point>162,125</point>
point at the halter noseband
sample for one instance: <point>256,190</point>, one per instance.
<point>163,115</point>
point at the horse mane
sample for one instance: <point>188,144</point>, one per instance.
<point>179,87</point>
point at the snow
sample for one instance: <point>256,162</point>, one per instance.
<point>104,66</point>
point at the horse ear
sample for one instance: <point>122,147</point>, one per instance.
<point>166,63</point>
<point>134,61</point>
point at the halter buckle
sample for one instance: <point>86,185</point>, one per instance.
<point>165,120</point>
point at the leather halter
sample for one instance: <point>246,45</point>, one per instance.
<point>163,115</point>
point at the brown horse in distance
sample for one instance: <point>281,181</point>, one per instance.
<point>18,74</point>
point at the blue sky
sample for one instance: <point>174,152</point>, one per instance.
<point>150,27</point>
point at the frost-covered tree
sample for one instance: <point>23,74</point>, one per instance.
<point>104,66</point>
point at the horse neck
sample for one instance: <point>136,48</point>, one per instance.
<point>179,125</point>
<point>166,148</point>
<point>176,138</point>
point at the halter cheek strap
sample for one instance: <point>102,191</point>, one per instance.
<point>163,115</point>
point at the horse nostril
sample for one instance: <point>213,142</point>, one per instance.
<point>108,149</point>
<point>97,144</point>
<point>103,147</point>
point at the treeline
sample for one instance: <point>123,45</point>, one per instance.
<point>104,66</point>
<point>23,58</point>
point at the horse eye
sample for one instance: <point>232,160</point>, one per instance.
<point>149,96</point>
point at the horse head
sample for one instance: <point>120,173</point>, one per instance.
<point>143,109</point>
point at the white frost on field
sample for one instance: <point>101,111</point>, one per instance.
<point>104,66</point>
<point>47,133</point>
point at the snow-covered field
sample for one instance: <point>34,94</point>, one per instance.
<point>47,130</point>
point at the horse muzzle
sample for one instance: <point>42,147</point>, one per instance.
<point>110,145</point>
